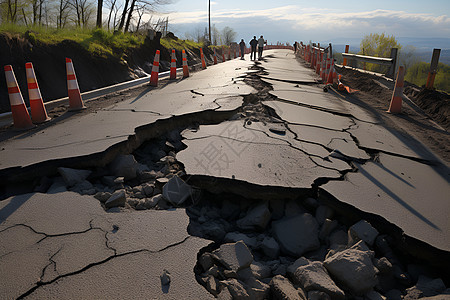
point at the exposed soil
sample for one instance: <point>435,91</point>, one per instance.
<point>425,119</point>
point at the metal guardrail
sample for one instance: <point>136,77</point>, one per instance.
<point>392,61</point>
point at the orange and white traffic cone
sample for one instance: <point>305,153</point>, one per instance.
<point>185,65</point>
<point>396,101</point>
<point>341,86</point>
<point>202,57</point>
<point>21,117</point>
<point>215,57</point>
<point>155,70</point>
<point>73,91</point>
<point>332,74</point>
<point>223,54</point>
<point>38,112</point>
<point>173,66</point>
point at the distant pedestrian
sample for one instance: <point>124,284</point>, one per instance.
<point>242,46</point>
<point>253,45</point>
<point>261,43</point>
<point>295,47</point>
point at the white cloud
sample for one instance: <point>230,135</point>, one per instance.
<point>327,21</point>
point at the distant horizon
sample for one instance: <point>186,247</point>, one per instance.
<point>289,20</point>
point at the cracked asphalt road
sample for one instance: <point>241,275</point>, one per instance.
<point>65,246</point>
<point>62,245</point>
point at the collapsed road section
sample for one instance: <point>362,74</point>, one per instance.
<point>263,168</point>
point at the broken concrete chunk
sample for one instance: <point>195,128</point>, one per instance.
<point>152,202</point>
<point>383,265</point>
<point>212,285</point>
<point>102,196</point>
<point>236,288</point>
<point>282,289</point>
<point>354,269</point>
<point>260,270</point>
<point>314,277</point>
<point>257,289</point>
<point>176,191</point>
<point>257,218</point>
<point>117,199</point>
<point>270,247</point>
<point>297,234</point>
<point>362,231</point>
<point>124,166</point>
<point>234,256</point>
<point>206,261</point>
<point>73,176</point>
<point>302,261</point>
<point>148,189</point>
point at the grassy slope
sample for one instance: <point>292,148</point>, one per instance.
<point>98,42</point>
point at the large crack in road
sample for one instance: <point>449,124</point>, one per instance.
<point>228,209</point>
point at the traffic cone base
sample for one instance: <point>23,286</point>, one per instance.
<point>21,123</point>
<point>21,117</point>
<point>38,112</point>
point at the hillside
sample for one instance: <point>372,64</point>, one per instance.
<point>97,59</point>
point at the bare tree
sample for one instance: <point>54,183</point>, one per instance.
<point>229,35</point>
<point>11,15</point>
<point>99,13</point>
<point>140,9</point>
<point>84,10</point>
<point>130,14</point>
<point>111,4</point>
<point>63,13</point>
<point>124,15</point>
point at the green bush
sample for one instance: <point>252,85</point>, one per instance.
<point>418,74</point>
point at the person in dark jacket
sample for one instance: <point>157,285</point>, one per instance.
<point>253,45</point>
<point>242,46</point>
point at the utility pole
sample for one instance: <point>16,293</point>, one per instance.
<point>209,20</point>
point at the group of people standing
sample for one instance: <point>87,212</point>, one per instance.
<point>254,44</point>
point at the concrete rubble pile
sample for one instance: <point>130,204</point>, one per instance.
<point>299,250</point>
<point>152,183</point>
<point>267,249</point>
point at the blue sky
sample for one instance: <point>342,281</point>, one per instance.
<point>289,20</point>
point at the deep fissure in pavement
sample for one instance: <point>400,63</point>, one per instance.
<point>228,211</point>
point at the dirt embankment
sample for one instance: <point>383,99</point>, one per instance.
<point>92,71</point>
